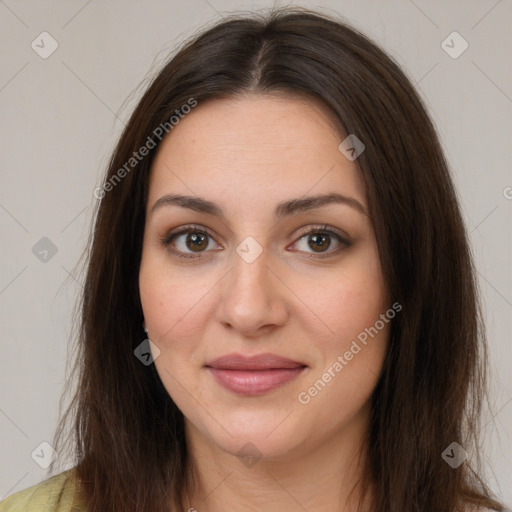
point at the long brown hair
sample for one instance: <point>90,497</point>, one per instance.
<point>128,434</point>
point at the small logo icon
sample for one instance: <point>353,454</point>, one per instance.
<point>43,455</point>
<point>99,193</point>
<point>249,249</point>
<point>351,147</point>
<point>44,250</point>
<point>147,352</point>
<point>454,45</point>
<point>454,455</point>
<point>44,45</point>
<point>249,454</point>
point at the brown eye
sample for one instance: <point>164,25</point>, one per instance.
<point>189,241</point>
<point>320,241</point>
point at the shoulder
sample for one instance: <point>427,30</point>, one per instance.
<point>56,494</point>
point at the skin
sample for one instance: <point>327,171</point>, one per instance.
<point>247,154</point>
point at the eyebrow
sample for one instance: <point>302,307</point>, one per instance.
<point>286,208</point>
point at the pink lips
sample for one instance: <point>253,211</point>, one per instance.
<point>254,375</point>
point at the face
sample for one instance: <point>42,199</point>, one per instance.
<point>249,276</point>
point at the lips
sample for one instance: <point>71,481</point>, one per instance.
<point>257,362</point>
<point>254,375</point>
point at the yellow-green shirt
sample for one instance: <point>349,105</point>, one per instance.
<point>56,494</point>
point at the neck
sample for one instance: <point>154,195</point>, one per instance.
<point>328,477</point>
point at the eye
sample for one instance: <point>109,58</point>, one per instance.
<point>194,238</point>
<point>319,239</point>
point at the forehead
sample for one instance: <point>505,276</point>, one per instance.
<point>255,150</point>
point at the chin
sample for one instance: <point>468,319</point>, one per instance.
<point>251,448</point>
<point>247,436</point>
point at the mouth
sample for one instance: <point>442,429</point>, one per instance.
<point>254,375</point>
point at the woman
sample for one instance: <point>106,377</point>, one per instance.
<point>280,309</point>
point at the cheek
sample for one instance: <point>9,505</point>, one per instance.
<point>178,308</point>
<point>351,359</point>
<point>173,301</point>
<point>353,348</point>
<point>348,299</point>
<point>174,310</point>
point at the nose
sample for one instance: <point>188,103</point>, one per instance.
<point>253,297</point>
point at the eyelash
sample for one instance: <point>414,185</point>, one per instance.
<point>318,229</point>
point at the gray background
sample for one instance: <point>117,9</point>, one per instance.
<point>62,115</point>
